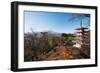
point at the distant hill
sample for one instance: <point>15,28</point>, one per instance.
<point>39,34</point>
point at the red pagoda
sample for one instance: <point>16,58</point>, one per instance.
<point>81,36</point>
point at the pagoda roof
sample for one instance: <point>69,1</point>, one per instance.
<point>81,28</point>
<point>82,31</point>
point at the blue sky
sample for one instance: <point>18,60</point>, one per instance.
<point>52,21</point>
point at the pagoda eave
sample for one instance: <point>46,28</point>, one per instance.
<point>80,28</point>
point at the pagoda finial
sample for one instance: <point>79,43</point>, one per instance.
<point>81,23</point>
